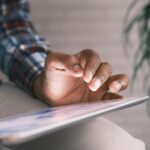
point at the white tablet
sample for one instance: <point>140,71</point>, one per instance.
<point>24,127</point>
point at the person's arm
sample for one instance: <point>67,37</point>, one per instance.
<point>65,79</point>
<point>22,50</point>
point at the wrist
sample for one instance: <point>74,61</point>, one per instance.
<point>37,87</point>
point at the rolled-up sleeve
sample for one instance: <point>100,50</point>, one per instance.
<point>22,50</point>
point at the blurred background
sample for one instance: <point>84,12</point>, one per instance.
<point>73,25</point>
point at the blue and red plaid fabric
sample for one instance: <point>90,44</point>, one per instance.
<point>22,50</point>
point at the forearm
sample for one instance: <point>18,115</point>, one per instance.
<point>23,51</point>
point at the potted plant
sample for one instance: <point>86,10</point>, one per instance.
<point>142,56</point>
<point>140,20</point>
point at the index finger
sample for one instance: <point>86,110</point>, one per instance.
<point>90,61</point>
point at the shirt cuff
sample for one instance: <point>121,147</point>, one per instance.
<point>25,72</point>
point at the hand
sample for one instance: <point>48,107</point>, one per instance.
<point>77,78</point>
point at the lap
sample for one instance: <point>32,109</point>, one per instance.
<point>89,135</point>
<point>14,101</point>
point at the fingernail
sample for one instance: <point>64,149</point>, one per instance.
<point>115,87</point>
<point>96,85</point>
<point>89,77</point>
<point>77,68</point>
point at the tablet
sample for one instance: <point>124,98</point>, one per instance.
<point>24,127</point>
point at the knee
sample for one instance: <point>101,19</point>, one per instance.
<point>110,136</point>
<point>140,144</point>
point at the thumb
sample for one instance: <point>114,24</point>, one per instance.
<point>64,62</point>
<point>72,66</point>
<point>75,70</point>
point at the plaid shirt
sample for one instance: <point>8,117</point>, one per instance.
<point>22,50</point>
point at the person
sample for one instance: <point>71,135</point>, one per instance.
<point>58,79</point>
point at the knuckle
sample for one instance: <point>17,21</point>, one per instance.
<point>90,52</point>
<point>107,66</point>
<point>103,76</point>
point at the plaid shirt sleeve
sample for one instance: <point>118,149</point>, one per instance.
<point>22,50</point>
